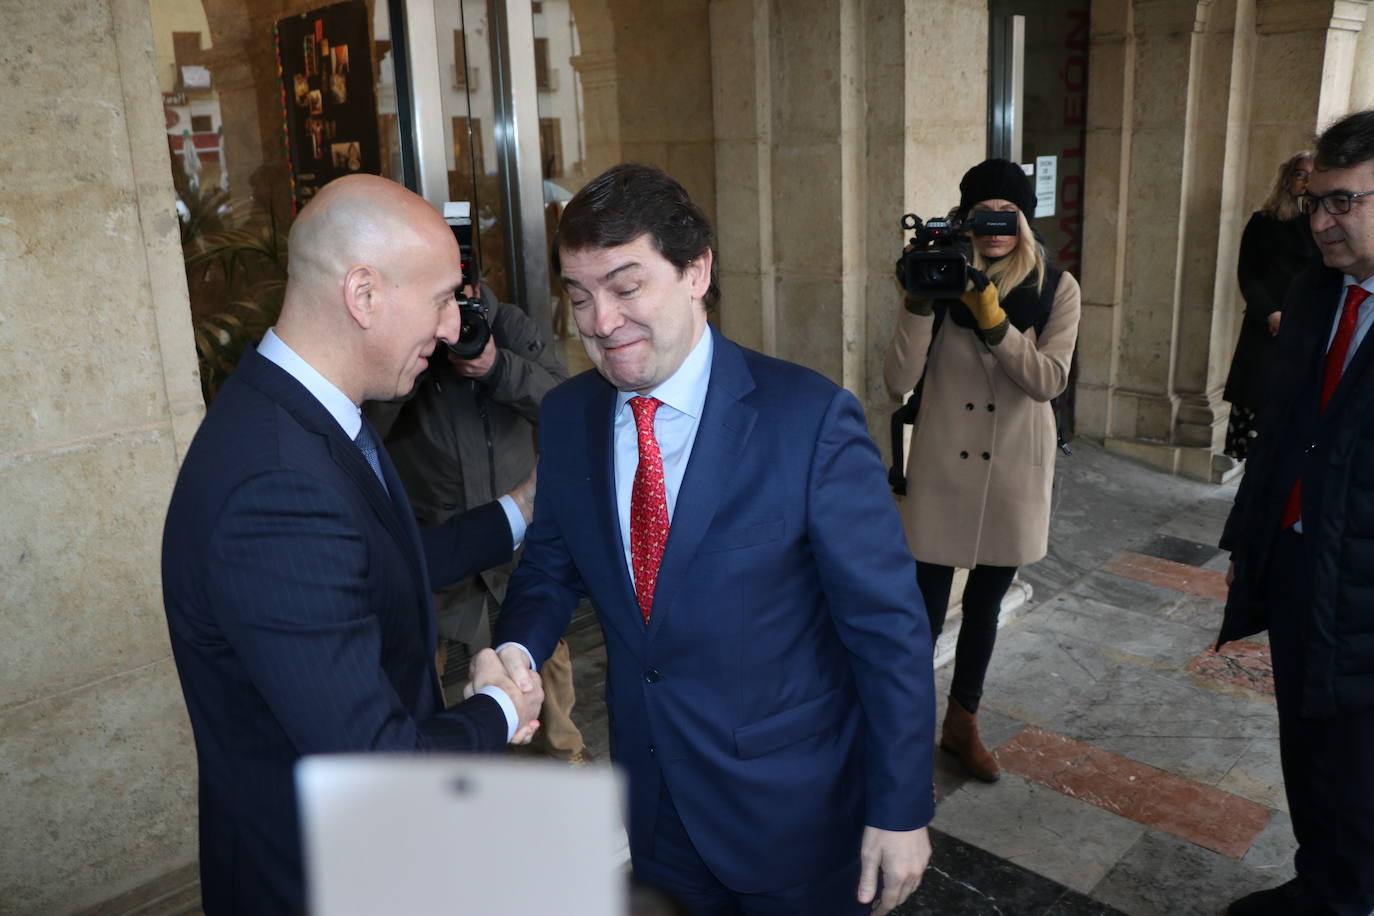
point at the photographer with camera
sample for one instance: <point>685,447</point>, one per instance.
<point>988,332</point>
<point>465,435</point>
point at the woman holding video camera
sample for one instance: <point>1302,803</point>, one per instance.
<point>981,464</point>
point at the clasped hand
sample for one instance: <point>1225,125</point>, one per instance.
<point>522,685</point>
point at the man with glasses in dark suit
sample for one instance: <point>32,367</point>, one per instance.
<point>1302,540</point>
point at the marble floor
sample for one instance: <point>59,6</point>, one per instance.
<point>1141,772</point>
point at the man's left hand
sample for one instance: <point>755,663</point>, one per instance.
<point>479,367</point>
<point>900,856</point>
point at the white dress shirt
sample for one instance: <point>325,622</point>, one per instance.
<point>350,418</point>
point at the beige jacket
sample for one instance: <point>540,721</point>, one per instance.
<point>981,466</point>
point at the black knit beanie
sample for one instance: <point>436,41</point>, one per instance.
<point>997,179</point>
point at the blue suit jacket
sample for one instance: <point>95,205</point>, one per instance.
<point>298,601</point>
<point>783,687</point>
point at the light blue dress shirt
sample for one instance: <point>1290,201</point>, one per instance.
<point>350,418</point>
<point>675,427</point>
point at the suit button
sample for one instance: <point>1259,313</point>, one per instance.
<point>652,676</point>
<point>963,454</point>
<point>991,408</point>
<point>1311,447</point>
<point>968,406</point>
<point>987,456</point>
<point>651,750</point>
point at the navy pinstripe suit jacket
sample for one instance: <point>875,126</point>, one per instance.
<point>298,602</point>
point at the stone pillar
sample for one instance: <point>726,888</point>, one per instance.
<point>97,361</point>
<point>742,94</point>
<point>1160,135</point>
<point>1305,53</point>
<point>1192,105</point>
<point>826,132</point>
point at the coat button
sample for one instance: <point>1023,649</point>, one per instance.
<point>968,406</point>
<point>651,750</point>
<point>652,676</point>
<point>987,456</point>
<point>991,408</point>
<point>963,454</point>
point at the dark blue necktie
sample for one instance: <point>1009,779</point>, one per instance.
<point>367,442</point>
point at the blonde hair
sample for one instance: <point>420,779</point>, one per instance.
<point>1026,259</point>
<point>1280,203</point>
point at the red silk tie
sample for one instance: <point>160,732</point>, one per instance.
<point>1331,377</point>
<point>648,507</point>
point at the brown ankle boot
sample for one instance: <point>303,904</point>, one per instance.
<point>959,736</point>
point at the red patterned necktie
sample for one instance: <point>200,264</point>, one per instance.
<point>1331,377</point>
<point>648,507</point>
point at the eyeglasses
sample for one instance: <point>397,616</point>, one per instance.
<point>1335,203</point>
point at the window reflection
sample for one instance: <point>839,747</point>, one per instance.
<point>227,111</point>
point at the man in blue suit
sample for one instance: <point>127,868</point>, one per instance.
<point>296,584</point>
<point>769,686</point>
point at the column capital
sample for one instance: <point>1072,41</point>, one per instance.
<point>1277,16</point>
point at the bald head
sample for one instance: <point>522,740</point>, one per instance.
<point>355,220</point>
<point>371,267</point>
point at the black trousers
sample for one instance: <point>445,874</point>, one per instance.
<point>983,594</point>
<point>1328,761</point>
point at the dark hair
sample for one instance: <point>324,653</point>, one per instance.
<point>1346,143</point>
<point>630,200</point>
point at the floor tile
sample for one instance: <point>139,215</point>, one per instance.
<point>1166,876</point>
<point>1125,635</point>
<point>1272,854</point>
<point>1199,813</point>
<point>1240,662</point>
<point>963,880</point>
<point>1179,576</point>
<point>1179,550</point>
<point>1038,828</point>
<point>1164,718</point>
<point>1258,774</point>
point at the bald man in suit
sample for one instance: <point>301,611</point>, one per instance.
<point>296,583</point>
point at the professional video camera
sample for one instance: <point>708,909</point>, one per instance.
<point>475,332</point>
<point>935,264</point>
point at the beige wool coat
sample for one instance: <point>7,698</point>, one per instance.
<point>981,466</point>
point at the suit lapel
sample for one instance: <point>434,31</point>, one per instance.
<point>294,398</point>
<point>599,427</point>
<point>726,423</point>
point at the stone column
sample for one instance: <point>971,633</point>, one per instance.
<point>1160,134</point>
<point>1305,54</point>
<point>826,132</point>
<point>1111,94</point>
<point>1193,104</point>
<point>98,365</point>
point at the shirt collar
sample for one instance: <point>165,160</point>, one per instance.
<point>685,389</point>
<point>1367,285</point>
<point>339,405</point>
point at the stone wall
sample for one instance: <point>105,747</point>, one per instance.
<point>825,136</point>
<point>1192,106</point>
<point>97,771</point>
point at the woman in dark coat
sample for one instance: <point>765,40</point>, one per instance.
<point>1276,245</point>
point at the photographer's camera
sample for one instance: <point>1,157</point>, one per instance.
<point>475,330</point>
<point>935,264</point>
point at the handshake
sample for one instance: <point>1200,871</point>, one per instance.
<point>511,673</point>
